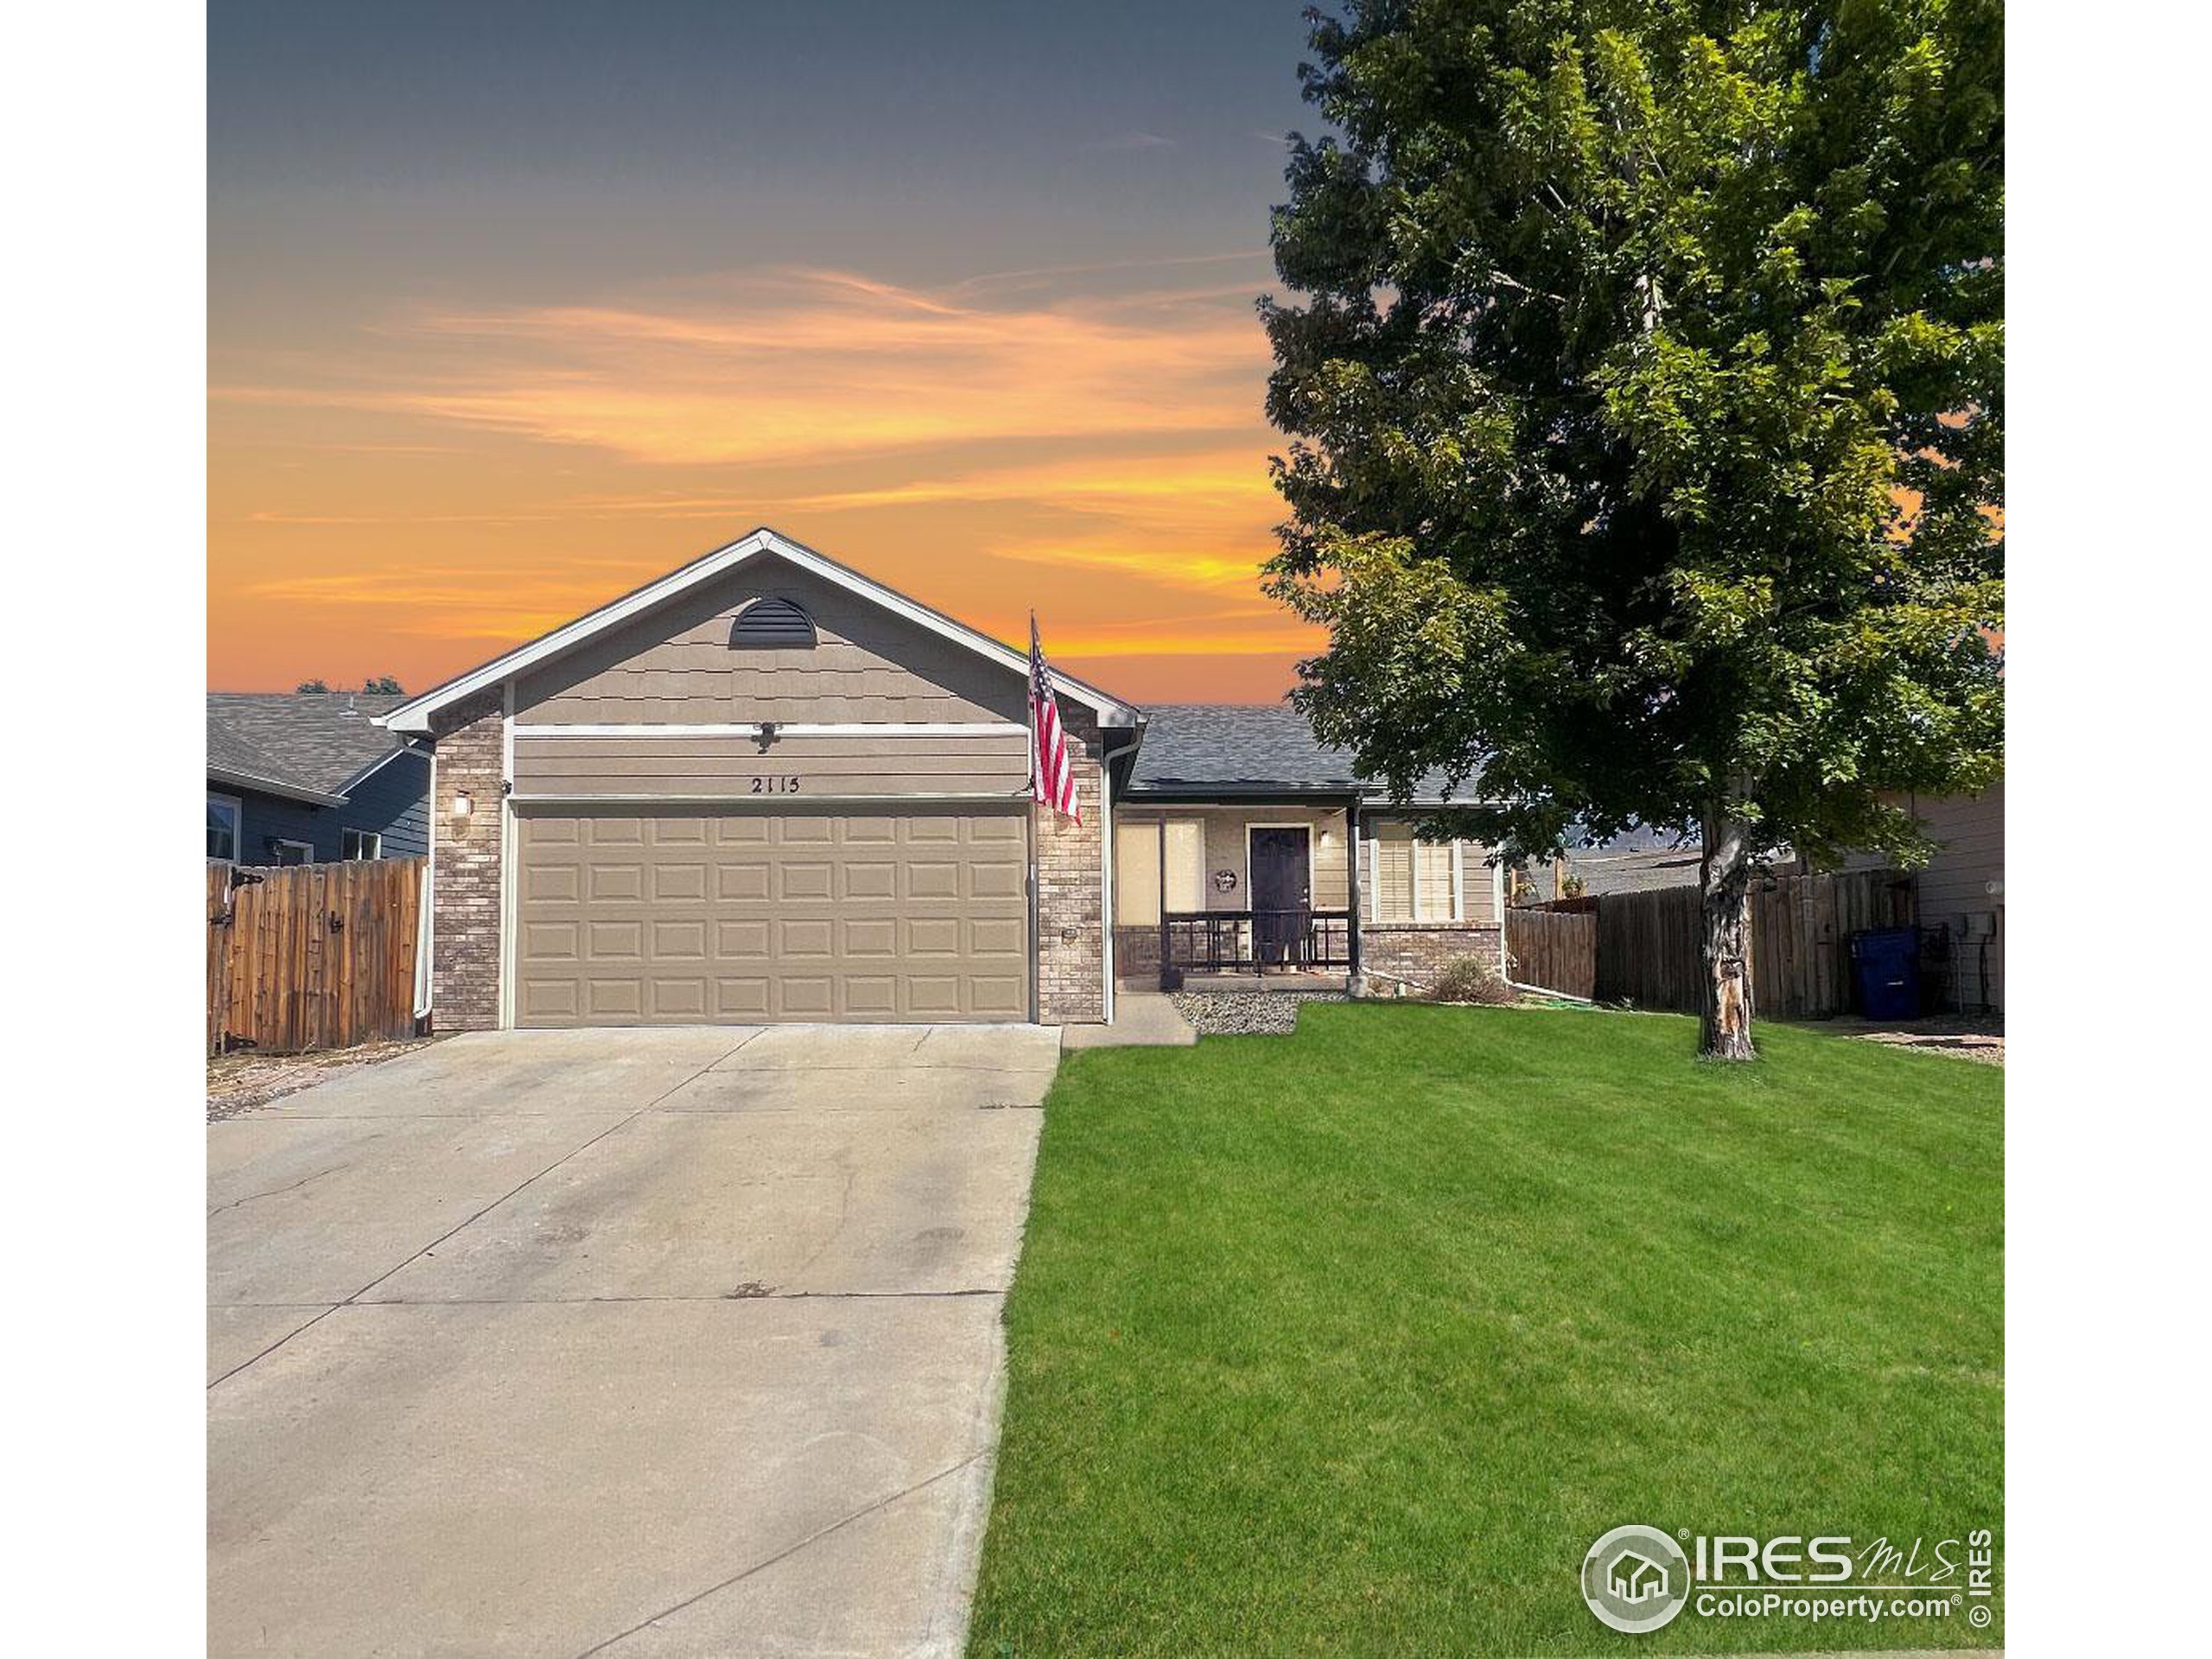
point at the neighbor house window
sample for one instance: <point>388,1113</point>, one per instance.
<point>360,843</point>
<point>225,816</point>
<point>290,852</point>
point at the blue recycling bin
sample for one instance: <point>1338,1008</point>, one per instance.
<point>1886,963</point>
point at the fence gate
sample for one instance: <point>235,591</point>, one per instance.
<point>1553,949</point>
<point>311,955</point>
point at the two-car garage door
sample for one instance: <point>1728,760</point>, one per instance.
<point>675,918</point>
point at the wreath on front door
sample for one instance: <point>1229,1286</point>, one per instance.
<point>1224,880</point>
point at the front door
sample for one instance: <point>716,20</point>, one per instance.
<point>1282,893</point>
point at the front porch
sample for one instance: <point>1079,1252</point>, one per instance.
<point>1259,895</point>
<point>1287,893</point>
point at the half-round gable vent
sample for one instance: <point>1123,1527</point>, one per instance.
<point>773,623</point>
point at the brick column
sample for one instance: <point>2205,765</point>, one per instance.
<point>466,866</point>
<point>1071,890</point>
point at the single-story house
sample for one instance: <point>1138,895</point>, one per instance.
<point>311,779</point>
<point>767,787</point>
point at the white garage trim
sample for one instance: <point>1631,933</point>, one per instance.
<point>793,728</point>
<point>510,847</point>
<point>768,802</point>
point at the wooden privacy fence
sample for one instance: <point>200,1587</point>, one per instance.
<point>312,956</point>
<point>1649,947</point>
<point>1555,949</point>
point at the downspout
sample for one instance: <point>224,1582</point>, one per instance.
<point>1357,983</point>
<point>425,933</point>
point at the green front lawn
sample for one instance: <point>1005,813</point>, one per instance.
<point>1353,1342</point>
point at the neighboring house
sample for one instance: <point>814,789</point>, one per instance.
<point>766,787</point>
<point>312,778</point>
<point>1959,897</point>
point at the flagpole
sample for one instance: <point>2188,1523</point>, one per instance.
<point>1029,841</point>
<point>1029,789</point>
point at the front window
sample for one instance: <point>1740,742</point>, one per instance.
<point>224,816</point>
<point>360,843</point>
<point>1138,896</point>
<point>1407,881</point>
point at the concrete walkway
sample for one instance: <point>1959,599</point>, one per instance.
<point>1141,1019</point>
<point>656,1342</point>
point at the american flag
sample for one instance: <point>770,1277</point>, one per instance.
<point>1052,773</point>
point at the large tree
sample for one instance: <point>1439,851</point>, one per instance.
<point>1646,408</point>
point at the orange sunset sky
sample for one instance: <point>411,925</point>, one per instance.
<point>504,321</point>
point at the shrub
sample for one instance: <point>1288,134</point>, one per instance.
<point>1473,979</point>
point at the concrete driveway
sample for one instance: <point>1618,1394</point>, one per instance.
<point>650,1342</point>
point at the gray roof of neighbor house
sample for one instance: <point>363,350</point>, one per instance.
<point>1196,749</point>
<point>1642,871</point>
<point>308,745</point>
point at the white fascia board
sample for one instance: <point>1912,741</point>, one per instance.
<point>247,780</point>
<point>415,716</point>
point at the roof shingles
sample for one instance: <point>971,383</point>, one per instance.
<point>319,742</point>
<point>1191,748</point>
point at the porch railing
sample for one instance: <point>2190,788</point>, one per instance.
<point>1235,941</point>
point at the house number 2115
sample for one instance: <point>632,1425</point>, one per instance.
<point>787,785</point>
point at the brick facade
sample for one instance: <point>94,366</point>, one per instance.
<point>1072,889</point>
<point>1418,952</point>
<point>465,865</point>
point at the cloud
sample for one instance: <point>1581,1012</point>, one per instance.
<point>966,440</point>
<point>795,365</point>
<point>1134,138</point>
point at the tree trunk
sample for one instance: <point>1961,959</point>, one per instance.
<point>1725,879</point>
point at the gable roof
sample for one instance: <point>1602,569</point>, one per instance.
<point>311,746</point>
<point>414,714</point>
<point>1192,750</point>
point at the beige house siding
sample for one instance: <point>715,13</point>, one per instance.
<point>675,664</point>
<point>739,768</point>
<point>1954,890</point>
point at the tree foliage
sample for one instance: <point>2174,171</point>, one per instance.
<point>1647,403</point>
<point>376,685</point>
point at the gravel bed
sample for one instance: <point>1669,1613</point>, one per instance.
<point>239,1082</point>
<point>1980,1040</point>
<point>1230,1014</point>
